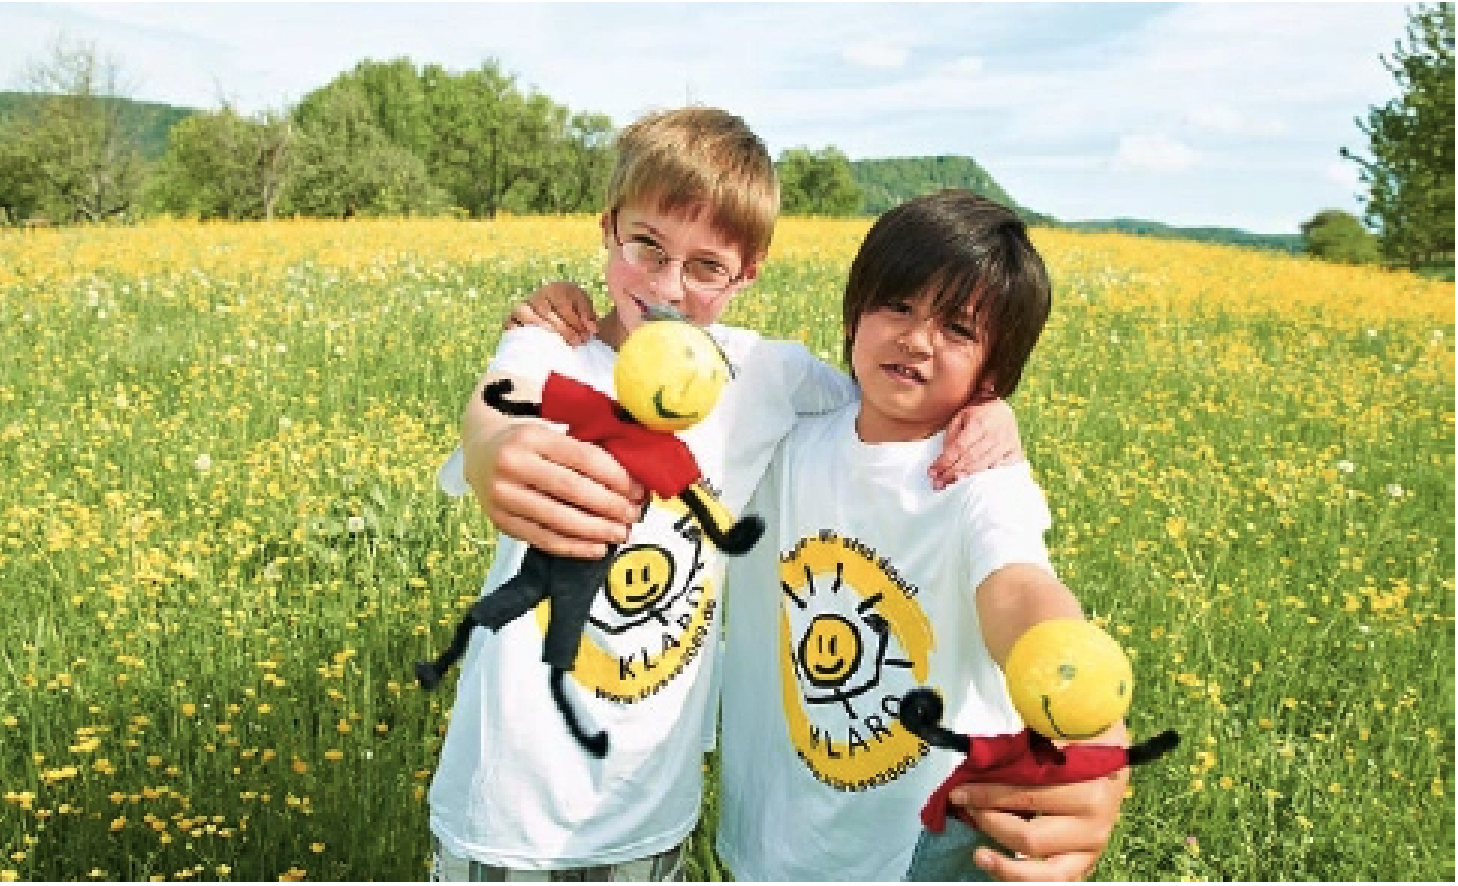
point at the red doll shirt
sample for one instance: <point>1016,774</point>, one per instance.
<point>658,459</point>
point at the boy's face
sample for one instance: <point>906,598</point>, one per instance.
<point>658,259</point>
<point>915,371</point>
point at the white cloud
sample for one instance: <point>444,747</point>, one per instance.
<point>967,65</point>
<point>1154,152</point>
<point>881,56</point>
<point>1225,120</point>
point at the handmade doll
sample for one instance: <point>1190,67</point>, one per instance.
<point>1068,680</point>
<point>668,376</point>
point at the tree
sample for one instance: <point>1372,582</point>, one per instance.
<point>579,155</point>
<point>73,141</point>
<point>221,165</point>
<point>19,197</point>
<point>1339,236</point>
<point>1409,176</point>
<point>490,141</point>
<point>347,166</point>
<point>817,183</point>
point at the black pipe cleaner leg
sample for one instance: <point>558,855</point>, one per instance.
<point>429,673</point>
<point>594,744</point>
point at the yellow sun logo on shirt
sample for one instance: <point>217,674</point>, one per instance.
<point>852,640</point>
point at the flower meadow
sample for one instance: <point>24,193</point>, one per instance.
<point>223,546</point>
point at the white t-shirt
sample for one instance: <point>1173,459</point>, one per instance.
<point>863,588</point>
<point>513,788</point>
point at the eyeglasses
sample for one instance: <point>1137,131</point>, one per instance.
<point>702,276</point>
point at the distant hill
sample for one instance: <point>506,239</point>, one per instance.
<point>151,120</point>
<point>886,183</point>
<point>1235,236</point>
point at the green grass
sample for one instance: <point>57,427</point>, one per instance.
<point>222,549</point>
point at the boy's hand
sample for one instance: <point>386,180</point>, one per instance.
<point>980,436</point>
<point>1066,834</point>
<point>563,308</point>
<point>554,492</point>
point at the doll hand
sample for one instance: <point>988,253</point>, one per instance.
<point>980,436</point>
<point>563,308</point>
<point>564,496</point>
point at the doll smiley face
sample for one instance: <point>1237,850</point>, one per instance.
<point>669,375</point>
<point>638,579</point>
<point>1068,679</point>
<point>830,651</point>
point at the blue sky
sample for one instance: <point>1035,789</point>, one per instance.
<point>1226,114</point>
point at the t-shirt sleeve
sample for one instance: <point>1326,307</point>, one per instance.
<point>1007,517</point>
<point>530,352</point>
<point>814,385</point>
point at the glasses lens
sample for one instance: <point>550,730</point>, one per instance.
<point>644,256</point>
<point>706,275</point>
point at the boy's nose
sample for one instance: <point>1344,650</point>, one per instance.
<point>668,286</point>
<point>916,338</point>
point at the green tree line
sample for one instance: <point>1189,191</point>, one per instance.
<point>385,138</point>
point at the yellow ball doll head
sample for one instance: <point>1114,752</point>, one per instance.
<point>1068,679</point>
<point>669,374</point>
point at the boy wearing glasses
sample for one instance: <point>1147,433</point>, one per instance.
<point>691,206</point>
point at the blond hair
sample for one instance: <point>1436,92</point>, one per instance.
<point>684,159</point>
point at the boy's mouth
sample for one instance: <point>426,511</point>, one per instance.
<point>904,372</point>
<point>657,312</point>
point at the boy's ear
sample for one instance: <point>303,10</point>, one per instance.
<point>986,388</point>
<point>750,273</point>
<point>605,224</point>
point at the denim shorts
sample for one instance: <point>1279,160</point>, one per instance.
<point>947,857</point>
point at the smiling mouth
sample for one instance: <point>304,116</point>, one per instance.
<point>663,409</point>
<point>1070,736</point>
<point>904,372</point>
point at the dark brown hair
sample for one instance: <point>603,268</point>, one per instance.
<point>961,250</point>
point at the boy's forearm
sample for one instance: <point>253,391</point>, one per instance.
<point>1016,597</point>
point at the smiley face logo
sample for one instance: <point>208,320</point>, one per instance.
<point>830,651</point>
<point>841,651</point>
<point>638,579</point>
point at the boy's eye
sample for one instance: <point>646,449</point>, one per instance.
<point>706,270</point>
<point>650,251</point>
<point>962,331</point>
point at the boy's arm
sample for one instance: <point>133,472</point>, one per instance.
<point>1071,824</point>
<point>554,492</point>
<point>981,436</point>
